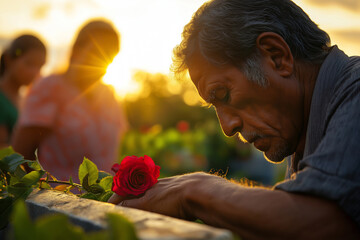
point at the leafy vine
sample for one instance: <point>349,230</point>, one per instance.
<point>16,185</point>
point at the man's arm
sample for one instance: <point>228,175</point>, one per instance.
<point>252,212</point>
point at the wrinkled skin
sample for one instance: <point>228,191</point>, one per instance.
<point>159,194</point>
<point>275,120</point>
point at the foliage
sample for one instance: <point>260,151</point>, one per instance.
<point>59,227</point>
<point>200,148</point>
<point>175,152</point>
<point>17,184</point>
<point>162,100</point>
<point>97,184</point>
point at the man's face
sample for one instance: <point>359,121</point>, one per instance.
<point>269,117</point>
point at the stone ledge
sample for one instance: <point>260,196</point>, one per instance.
<point>90,215</point>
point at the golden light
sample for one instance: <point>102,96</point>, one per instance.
<point>149,29</point>
<point>118,74</point>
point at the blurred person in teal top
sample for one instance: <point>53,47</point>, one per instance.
<point>20,65</point>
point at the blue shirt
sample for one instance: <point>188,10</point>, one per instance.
<point>330,167</point>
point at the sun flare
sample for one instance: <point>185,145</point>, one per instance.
<point>119,75</point>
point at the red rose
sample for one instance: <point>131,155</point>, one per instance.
<point>134,175</point>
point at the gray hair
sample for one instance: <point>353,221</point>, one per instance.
<point>225,32</point>
<point>252,70</point>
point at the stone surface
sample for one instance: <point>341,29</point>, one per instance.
<point>90,215</point>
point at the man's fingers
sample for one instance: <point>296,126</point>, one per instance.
<point>133,203</point>
<point>124,201</point>
<point>116,199</point>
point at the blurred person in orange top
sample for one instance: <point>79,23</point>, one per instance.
<point>73,115</point>
<point>20,65</point>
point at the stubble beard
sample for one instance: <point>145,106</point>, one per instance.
<point>276,153</point>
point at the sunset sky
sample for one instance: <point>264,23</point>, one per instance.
<point>149,28</point>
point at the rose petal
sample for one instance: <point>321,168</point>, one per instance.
<point>156,172</point>
<point>149,162</point>
<point>135,175</point>
<point>115,167</point>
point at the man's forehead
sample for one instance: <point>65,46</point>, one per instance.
<point>197,66</point>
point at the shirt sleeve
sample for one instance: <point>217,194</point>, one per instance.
<point>40,105</point>
<point>333,170</point>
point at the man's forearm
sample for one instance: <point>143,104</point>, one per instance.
<point>253,213</point>
<point>258,213</point>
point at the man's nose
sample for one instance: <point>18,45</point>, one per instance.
<point>230,122</point>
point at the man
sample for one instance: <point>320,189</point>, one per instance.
<point>274,79</point>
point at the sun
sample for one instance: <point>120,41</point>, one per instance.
<point>119,75</point>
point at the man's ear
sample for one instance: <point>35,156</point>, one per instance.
<point>277,52</point>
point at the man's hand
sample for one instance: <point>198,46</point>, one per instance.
<point>251,212</point>
<point>167,197</point>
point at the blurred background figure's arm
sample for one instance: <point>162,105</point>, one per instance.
<point>4,136</point>
<point>27,139</point>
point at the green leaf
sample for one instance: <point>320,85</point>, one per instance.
<point>32,178</point>
<point>99,235</point>
<point>95,188</point>
<point>88,167</point>
<point>106,183</point>
<point>71,181</point>
<point>89,195</point>
<point>57,227</point>
<point>35,165</point>
<point>49,175</point>
<point>19,172</point>
<point>19,190</point>
<point>45,185</point>
<point>11,162</point>
<point>14,180</point>
<point>105,196</point>
<point>85,183</point>
<point>103,174</point>
<point>120,227</point>
<point>24,229</point>
<point>6,152</point>
<point>6,203</point>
